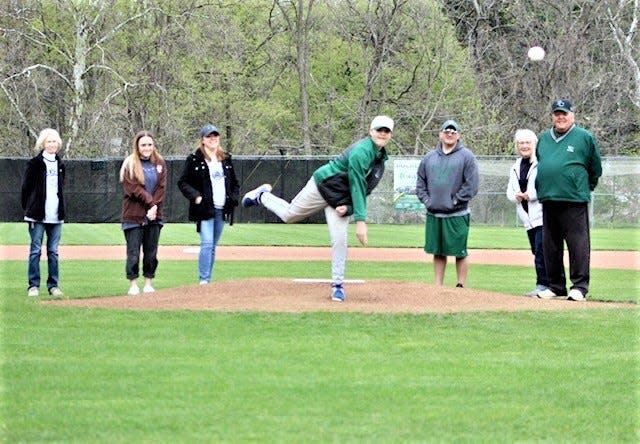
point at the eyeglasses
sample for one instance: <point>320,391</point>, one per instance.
<point>450,132</point>
<point>383,130</point>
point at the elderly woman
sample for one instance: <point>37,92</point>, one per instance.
<point>42,200</point>
<point>522,191</point>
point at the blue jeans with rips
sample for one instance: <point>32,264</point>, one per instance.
<point>210,232</point>
<point>37,231</point>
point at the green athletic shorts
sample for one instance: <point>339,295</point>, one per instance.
<point>447,236</point>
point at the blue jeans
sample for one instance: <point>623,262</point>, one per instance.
<point>210,232</point>
<point>36,231</point>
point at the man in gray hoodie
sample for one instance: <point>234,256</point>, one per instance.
<point>448,178</point>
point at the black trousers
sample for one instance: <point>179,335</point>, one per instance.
<point>535,240</point>
<point>566,222</point>
<point>147,237</point>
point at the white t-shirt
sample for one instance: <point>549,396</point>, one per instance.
<point>52,201</point>
<point>217,183</point>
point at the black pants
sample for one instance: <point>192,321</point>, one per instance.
<point>147,237</point>
<point>566,222</point>
<point>535,240</point>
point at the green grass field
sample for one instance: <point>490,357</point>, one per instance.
<point>97,375</point>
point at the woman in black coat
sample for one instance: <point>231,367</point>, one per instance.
<point>209,182</point>
<point>42,200</point>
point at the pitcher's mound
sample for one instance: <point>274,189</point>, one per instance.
<point>372,296</point>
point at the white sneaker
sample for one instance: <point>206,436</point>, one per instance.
<point>546,294</point>
<point>55,292</point>
<point>576,295</point>
<point>133,290</point>
<point>33,292</point>
<point>203,282</point>
<point>252,198</point>
<point>148,289</point>
<point>533,293</point>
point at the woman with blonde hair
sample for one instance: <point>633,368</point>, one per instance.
<point>522,191</point>
<point>42,200</point>
<point>144,179</point>
<point>209,182</point>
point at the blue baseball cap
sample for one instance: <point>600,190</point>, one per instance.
<point>208,129</point>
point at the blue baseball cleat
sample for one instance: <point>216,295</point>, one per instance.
<point>337,293</point>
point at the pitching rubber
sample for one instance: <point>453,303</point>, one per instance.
<point>326,281</point>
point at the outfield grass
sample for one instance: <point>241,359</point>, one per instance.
<point>380,235</point>
<point>118,376</point>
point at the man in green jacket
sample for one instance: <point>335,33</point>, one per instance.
<point>569,167</point>
<point>340,188</point>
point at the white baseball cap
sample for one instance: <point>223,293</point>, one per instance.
<point>382,122</point>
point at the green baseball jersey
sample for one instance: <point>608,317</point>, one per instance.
<point>569,166</point>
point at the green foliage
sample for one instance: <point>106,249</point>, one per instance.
<point>101,71</point>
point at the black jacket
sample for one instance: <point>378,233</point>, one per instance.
<point>34,188</point>
<point>195,181</point>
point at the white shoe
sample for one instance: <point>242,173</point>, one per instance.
<point>576,295</point>
<point>252,198</point>
<point>133,290</point>
<point>148,289</point>
<point>546,294</point>
<point>55,292</point>
<point>33,292</point>
<point>203,282</point>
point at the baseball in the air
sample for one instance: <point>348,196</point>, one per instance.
<point>536,53</point>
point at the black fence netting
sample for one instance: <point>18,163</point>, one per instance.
<point>93,193</point>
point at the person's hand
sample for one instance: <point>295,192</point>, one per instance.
<point>341,210</point>
<point>152,213</point>
<point>361,232</point>
<point>198,200</point>
<point>519,196</point>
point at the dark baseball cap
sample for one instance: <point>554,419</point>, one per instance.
<point>562,105</point>
<point>208,129</point>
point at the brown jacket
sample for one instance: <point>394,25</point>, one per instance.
<point>137,200</point>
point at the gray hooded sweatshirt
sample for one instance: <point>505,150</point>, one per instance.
<point>447,182</point>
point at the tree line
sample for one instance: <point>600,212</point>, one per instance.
<point>304,77</point>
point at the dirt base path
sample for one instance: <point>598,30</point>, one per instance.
<point>599,259</point>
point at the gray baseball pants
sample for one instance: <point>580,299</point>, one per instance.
<point>307,202</point>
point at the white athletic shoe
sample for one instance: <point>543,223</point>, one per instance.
<point>576,295</point>
<point>546,294</point>
<point>252,198</point>
<point>55,292</point>
<point>33,292</point>
<point>148,289</point>
<point>133,290</point>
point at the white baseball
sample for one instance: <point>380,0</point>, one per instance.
<point>536,53</point>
